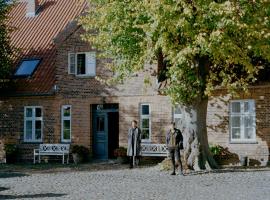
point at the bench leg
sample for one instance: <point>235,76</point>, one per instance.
<point>39,158</point>
<point>68,159</point>
<point>63,159</point>
<point>34,159</point>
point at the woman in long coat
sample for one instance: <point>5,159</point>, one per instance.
<point>134,143</point>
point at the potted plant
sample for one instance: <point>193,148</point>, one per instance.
<point>79,153</point>
<point>11,151</point>
<point>121,154</point>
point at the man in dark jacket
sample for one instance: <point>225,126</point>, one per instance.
<point>174,141</point>
<point>134,143</point>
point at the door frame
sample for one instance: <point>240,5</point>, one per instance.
<point>95,113</point>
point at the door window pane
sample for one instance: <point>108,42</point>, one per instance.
<point>100,124</point>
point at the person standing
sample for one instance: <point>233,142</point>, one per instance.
<point>174,141</point>
<point>134,143</point>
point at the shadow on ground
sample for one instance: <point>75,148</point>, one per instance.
<point>11,174</point>
<point>31,196</point>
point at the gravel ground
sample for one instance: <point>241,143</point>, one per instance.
<point>142,183</point>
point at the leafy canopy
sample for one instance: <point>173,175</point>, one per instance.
<point>205,43</point>
<point>5,47</point>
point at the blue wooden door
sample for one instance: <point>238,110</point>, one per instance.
<point>100,135</point>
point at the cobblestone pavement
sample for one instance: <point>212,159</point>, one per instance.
<point>143,183</point>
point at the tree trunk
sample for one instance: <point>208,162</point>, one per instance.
<point>196,149</point>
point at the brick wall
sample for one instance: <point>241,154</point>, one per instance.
<point>218,124</point>
<point>12,121</point>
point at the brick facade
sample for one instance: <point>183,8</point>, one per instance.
<point>81,93</point>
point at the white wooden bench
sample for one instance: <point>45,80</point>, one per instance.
<point>154,150</point>
<point>52,150</point>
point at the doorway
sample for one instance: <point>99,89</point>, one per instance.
<point>105,130</point>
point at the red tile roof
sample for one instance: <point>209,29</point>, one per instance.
<point>33,36</point>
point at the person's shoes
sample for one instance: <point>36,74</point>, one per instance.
<point>173,173</point>
<point>181,173</point>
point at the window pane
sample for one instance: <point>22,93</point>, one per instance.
<point>27,67</point>
<point>236,107</point>
<point>72,63</point>
<point>249,134</point>
<point>236,133</point>
<point>145,123</point>
<point>246,107</point>
<point>38,130</point>
<point>66,135</point>
<point>248,121</point>
<point>235,121</point>
<point>66,111</point>
<point>38,112</point>
<point>66,124</point>
<point>145,133</point>
<point>29,112</point>
<point>177,123</point>
<point>145,109</point>
<point>81,64</point>
<point>177,110</point>
<point>100,124</point>
<point>28,134</point>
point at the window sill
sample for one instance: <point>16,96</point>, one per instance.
<point>146,141</point>
<point>243,142</point>
<point>32,142</point>
<point>65,142</point>
<point>85,76</point>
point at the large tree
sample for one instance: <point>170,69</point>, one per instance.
<point>5,47</point>
<point>198,44</point>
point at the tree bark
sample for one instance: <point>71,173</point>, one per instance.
<point>196,149</point>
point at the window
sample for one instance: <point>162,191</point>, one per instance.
<point>82,64</point>
<point>242,121</point>
<point>145,123</point>
<point>66,123</point>
<point>177,116</point>
<point>27,67</point>
<point>33,124</point>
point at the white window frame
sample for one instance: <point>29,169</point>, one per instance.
<point>243,114</point>
<point>146,117</point>
<point>63,118</point>
<point>177,116</point>
<point>33,119</point>
<point>87,74</point>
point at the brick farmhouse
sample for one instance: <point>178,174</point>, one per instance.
<point>56,97</point>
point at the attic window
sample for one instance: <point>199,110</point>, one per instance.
<point>27,67</point>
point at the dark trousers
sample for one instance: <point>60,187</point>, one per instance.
<point>175,154</point>
<point>131,160</point>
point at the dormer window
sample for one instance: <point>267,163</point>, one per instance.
<point>82,64</point>
<point>27,67</point>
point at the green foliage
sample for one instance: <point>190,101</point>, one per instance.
<point>215,149</point>
<point>81,151</point>
<point>11,152</point>
<point>10,149</point>
<point>120,152</point>
<point>5,47</point>
<point>206,43</point>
